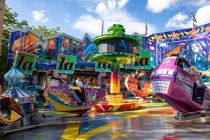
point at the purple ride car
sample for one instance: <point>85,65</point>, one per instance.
<point>174,81</point>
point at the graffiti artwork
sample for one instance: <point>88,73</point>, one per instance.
<point>62,97</point>
<point>48,49</point>
<point>191,44</point>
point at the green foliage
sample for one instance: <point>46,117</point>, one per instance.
<point>10,22</point>
<point>47,32</point>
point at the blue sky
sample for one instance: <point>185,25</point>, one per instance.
<point>75,17</point>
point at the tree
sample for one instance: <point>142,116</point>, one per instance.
<point>2,5</point>
<point>47,32</point>
<point>10,22</point>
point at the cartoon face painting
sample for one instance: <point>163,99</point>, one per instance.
<point>196,47</point>
<point>194,53</point>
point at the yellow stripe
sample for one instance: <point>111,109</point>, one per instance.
<point>13,118</point>
<point>71,131</point>
<point>115,107</point>
<point>98,130</point>
<point>60,107</point>
<point>165,36</point>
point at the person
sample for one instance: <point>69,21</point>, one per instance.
<point>180,63</point>
<point>144,61</point>
<point>141,77</point>
<point>41,87</point>
<point>86,82</point>
<point>78,94</point>
<point>79,82</point>
<point>94,82</point>
<point>55,79</point>
<point>74,95</point>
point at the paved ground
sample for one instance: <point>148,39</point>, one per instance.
<point>155,122</point>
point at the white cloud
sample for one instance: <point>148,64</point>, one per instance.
<point>122,3</point>
<point>197,3</point>
<point>181,20</point>
<point>101,8</point>
<point>88,23</point>
<point>67,18</point>
<point>157,6</point>
<point>111,11</point>
<point>112,4</point>
<point>39,16</point>
<point>202,15</point>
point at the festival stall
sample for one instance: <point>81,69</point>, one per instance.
<point>70,98</point>
<point>47,50</point>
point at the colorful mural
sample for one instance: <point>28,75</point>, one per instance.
<point>21,40</point>
<point>48,48</point>
<point>192,44</point>
<point>33,43</point>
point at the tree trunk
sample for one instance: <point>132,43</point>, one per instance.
<point>2,3</point>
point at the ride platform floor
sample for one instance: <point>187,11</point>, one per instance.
<point>154,121</point>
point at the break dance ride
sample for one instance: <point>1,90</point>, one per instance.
<point>181,86</point>
<point>132,84</point>
<point>10,111</point>
<point>15,103</point>
<point>74,100</point>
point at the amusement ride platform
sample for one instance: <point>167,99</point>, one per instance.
<point>154,121</point>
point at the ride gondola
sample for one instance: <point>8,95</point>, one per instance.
<point>73,99</point>
<point>14,103</point>
<point>181,86</point>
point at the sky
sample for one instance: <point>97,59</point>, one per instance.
<point>76,17</point>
